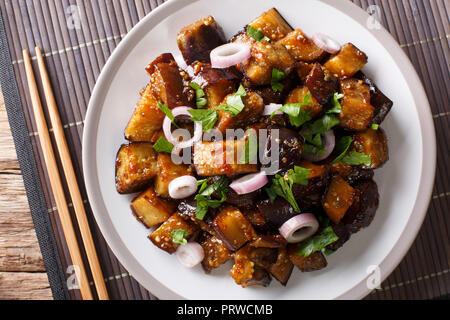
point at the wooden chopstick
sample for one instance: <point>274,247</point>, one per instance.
<point>72,183</point>
<point>55,182</point>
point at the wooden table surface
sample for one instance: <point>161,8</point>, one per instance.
<point>22,270</point>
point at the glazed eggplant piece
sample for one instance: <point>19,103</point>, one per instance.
<point>263,257</point>
<point>136,166</point>
<point>216,83</point>
<point>288,146</point>
<point>321,83</point>
<point>273,241</point>
<point>347,62</point>
<point>245,272</point>
<point>378,100</point>
<point>339,198</point>
<point>168,171</point>
<point>282,268</point>
<point>310,196</point>
<point>216,252</point>
<point>272,25</point>
<point>298,96</point>
<point>303,70</point>
<point>362,212</point>
<point>343,234</point>
<point>187,210</point>
<point>373,143</point>
<point>315,261</point>
<point>357,112</point>
<point>254,106</point>
<point>233,228</point>
<point>150,209</point>
<point>351,174</point>
<point>197,40</point>
<point>256,219</point>
<point>276,213</point>
<point>302,48</point>
<point>162,237</point>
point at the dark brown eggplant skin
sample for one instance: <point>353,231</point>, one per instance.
<point>321,85</point>
<point>315,261</point>
<point>378,99</point>
<point>343,234</point>
<point>351,174</point>
<point>187,210</point>
<point>290,147</point>
<point>310,197</point>
<point>260,278</point>
<point>263,257</point>
<point>276,213</point>
<point>283,267</point>
<point>361,214</point>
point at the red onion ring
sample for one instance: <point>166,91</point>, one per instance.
<point>250,183</point>
<point>229,54</point>
<point>190,254</point>
<point>182,187</point>
<point>167,128</point>
<point>271,108</point>
<point>299,228</point>
<point>180,61</point>
<point>325,43</point>
<point>329,142</point>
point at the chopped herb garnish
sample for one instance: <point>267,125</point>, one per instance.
<point>297,115</point>
<point>272,195</point>
<point>342,148</point>
<point>318,242</point>
<point>207,118</point>
<point>179,236</point>
<point>336,106</point>
<point>234,104</point>
<point>277,75</point>
<point>256,34</point>
<point>203,183</point>
<point>313,150</point>
<point>314,144</point>
<point>167,112</point>
<point>375,126</point>
<point>356,159</point>
<point>203,197</point>
<point>324,124</point>
<point>250,150</point>
<point>162,145</point>
<point>199,95</point>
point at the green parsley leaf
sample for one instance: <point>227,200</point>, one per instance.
<point>317,243</point>
<point>313,150</point>
<point>342,148</point>
<point>203,200</point>
<point>207,118</point>
<point>234,104</point>
<point>162,145</point>
<point>297,115</point>
<point>375,126</point>
<point>299,175</point>
<point>179,236</point>
<point>167,112</point>
<point>356,158</point>
<point>324,124</point>
<point>277,75</point>
<point>199,95</point>
<point>250,150</point>
<point>256,34</point>
<point>314,144</point>
<point>272,195</point>
<point>201,183</point>
<point>336,105</point>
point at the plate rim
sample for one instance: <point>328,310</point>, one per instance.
<point>427,176</point>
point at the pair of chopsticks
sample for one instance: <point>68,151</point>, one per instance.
<point>56,184</point>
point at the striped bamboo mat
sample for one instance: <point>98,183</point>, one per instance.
<point>75,57</point>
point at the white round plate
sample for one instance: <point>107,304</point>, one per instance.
<point>405,182</point>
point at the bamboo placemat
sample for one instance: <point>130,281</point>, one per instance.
<point>75,57</point>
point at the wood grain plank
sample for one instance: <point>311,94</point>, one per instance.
<point>24,286</point>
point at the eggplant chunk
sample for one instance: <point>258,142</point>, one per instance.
<point>254,106</point>
<point>298,96</point>
<point>286,144</point>
<point>168,171</point>
<point>277,213</point>
<point>378,100</point>
<point>373,143</point>
<point>338,199</point>
<point>221,158</point>
<point>282,268</point>
<point>263,257</point>
<point>135,167</point>
<point>351,174</point>
<point>272,25</point>
<point>357,112</point>
<point>321,84</point>
<point>302,48</point>
<point>303,70</point>
<point>150,209</point>
<point>315,261</point>
<point>233,228</point>
<point>216,253</point>
<point>347,62</point>
<point>264,58</point>
<point>162,237</point>
<point>343,234</point>
<point>187,210</point>
<point>216,83</point>
<point>362,212</point>
<point>244,271</point>
<point>273,241</point>
<point>197,40</point>
<point>310,196</point>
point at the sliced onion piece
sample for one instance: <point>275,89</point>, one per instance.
<point>325,43</point>
<point>167,128</point>
<point>250,183</point>
<point>329,142</point>
<point>229,54</point>
<point>271,108</point>
<point>182,187</point>
<point>180,61</point>
<point>190,254</point>
<point>299,228</point>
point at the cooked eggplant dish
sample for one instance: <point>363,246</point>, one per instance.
<point>259,150</point>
